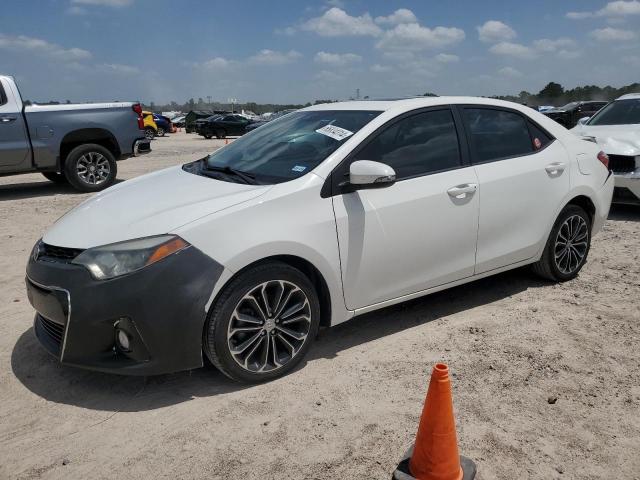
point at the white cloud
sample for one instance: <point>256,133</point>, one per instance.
<point>550,45</point>
<point>274,57</point>
<point>377,68</point>
<point>22,43</point>
<point>513,50</point>
<point>402,15</point>
<point>337,59</point>
<point>286,31</point>
<point>105,3</point>
<point>216,63</point>
<point>619,8</point>
<point>335,22</point>
<point>569,54</point>
<point>118,69</point>
<point>510,72</point>
<point>447,58</point>
<point>328,76</point>
<point>414,37</point>
<point>495,31</point>
<point>610,34</point>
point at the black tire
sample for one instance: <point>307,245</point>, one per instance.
<point>216,345</point>
<point>90,150</point>
<point>220,133</point>
<point>207,136</point>
<point>55,177</point>
<point>160,132</point>
<point>548,265</point>
<point>149,133</point>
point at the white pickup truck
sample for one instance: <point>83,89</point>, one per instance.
<point>78,144</point>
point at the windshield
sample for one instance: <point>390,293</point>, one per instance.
<point>620,112</point>
<point>290,146</point>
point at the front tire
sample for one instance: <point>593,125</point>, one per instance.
<point>221,134</point>
<point>263,323</point>
<point>567,246</point>
<point>90,168</point>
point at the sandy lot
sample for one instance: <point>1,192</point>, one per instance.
<point>351,410</point>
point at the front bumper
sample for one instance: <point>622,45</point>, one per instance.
<point>161,308</point>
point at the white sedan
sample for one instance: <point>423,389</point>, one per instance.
<point>616,128</point>
<point>324,214</point>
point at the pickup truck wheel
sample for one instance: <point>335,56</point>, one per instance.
<point>160,132</point>
<point>221,133</point>
<point>149,133</point>
<point>90,168</point>
<point>55,177</point>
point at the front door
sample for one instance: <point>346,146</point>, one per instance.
<point>418,233</point>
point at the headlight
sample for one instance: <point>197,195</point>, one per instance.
<point>117,259</point>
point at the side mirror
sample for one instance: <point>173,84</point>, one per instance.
<point>369,174</point>
<point>583,120</point>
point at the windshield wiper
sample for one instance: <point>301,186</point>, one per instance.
<point>246,177</point>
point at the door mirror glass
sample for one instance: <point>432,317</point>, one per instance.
<point>583,120</point>
<point>366,173</point>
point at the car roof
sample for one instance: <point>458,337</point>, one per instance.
<point>413,103</point>
<point>629,96</point>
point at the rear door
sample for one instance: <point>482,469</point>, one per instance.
<point>14,144</point>
<point>421,231</point>
<point>523,176</point>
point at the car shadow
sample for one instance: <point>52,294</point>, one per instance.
<point>19,191</point>
<point>43,375</point>
<point>629,213</point>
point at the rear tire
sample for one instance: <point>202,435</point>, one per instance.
<point>55,177</point>
<point>160,132</point>
<point>207,136</point>
<point>221,133</point>
<point>567,246</point>
<point>277,333</point>
<point>90,168</point>
<point>149,133</point>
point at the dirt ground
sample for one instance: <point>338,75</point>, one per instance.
<point>514,344</point>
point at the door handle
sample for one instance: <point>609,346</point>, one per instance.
<point>555,168</point>
<point>461,191</point>
<point>7,119</point>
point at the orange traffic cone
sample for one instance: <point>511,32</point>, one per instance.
<point>226,141</point>
<point>434,456</point>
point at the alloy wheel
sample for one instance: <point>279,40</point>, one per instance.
<point>571,245</point>
<point>269,326</point>
<point>93,168</point>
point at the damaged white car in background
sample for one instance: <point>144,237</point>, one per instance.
<point>616,128</point>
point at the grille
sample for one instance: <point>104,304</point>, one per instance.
<point>58,254</point>
<point>54,330</point>
<point>622,163</point>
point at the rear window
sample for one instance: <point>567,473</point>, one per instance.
<point>497,134</point>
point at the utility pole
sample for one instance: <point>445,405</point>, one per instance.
<point>209,100</point>
<point>357,94</point>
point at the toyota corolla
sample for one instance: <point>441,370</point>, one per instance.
<point>324,214</point>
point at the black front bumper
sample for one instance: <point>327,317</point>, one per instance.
<point>161,307</point>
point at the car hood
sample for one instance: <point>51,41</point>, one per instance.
<point>614,139</point>
<point>152,204</point>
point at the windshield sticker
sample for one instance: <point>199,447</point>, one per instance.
<point>298,168</point>
<point>334,132</point>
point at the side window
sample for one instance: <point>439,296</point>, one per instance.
<point>420,144</point>
<point>497,134</point>
<point>539,137</point>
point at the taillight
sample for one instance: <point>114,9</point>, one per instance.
<point>136,107</point>
<point>604,158</point>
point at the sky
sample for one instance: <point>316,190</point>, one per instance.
<point>295,51</point>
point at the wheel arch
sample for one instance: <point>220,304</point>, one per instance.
<point>83,136</point>
<point>585,203</point>
<point>305,266</point>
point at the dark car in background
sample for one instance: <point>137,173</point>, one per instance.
<point>569,114</point>
<point>222,126</point>
<point>163,123</point>
<point>195,115</point>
